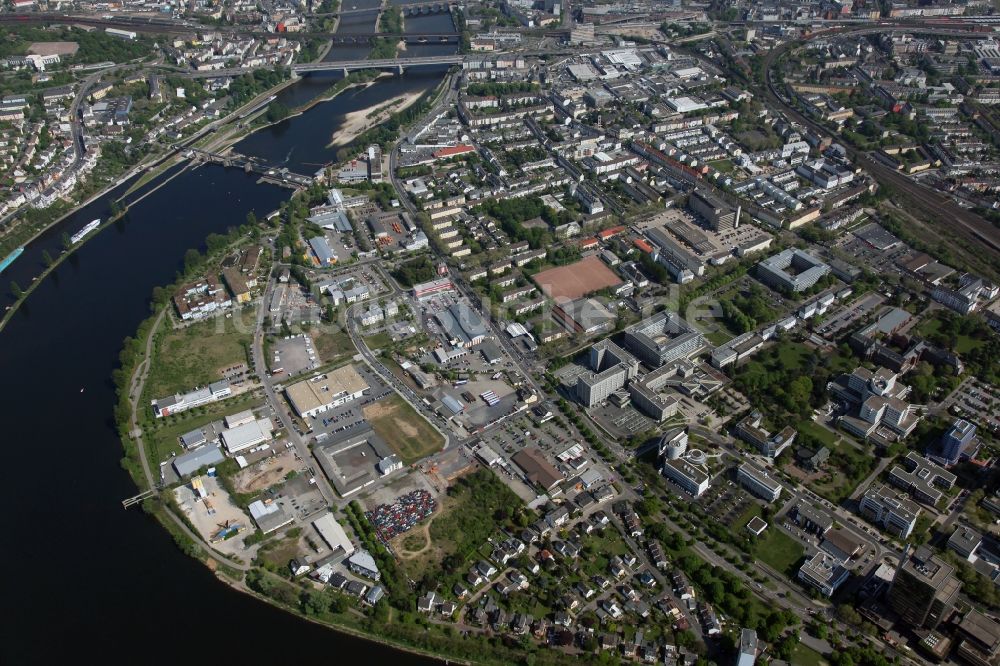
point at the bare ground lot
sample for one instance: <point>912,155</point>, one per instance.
<point>577,279</point>
<point>208,516</point>
<point>267,472</point>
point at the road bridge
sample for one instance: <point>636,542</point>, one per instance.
<point>412,9</point>
<point>408,37</point>
<point>398,64</point>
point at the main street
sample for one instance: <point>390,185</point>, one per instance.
<point>283,416</point>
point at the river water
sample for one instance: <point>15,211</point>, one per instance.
<point>86,579</point>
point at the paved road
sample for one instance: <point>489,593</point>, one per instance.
<point>281,414</point>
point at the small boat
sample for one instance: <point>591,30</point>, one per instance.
<point>82,390</point>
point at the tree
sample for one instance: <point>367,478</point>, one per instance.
<point>315,602</point>
<point>16,290</point>
<point>192,260</point>
<point>251,219</point>
<point>66,242</point>
<point>47,258</point>
<point>277,111</point>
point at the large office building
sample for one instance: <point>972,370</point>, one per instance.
<point>719,215</point>
<point>882,411</point>
<point>758,482</point>
<point>980,639</point>
<point>924,589</point>
<point>178,403</point>
<point>891,510</point>
<point>331,389</point>
<point>823,572</point>
<point>956,441</point>
<point>689,477</point>
<point>792,270</point>
<point>611,368</point>
<point>663,338</point>
<point>750,430</point>
<point>925,481</point>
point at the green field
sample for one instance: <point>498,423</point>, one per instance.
<point>378,341</point>
<point>793,355</point>
<point>193,356</point>
<point>332,345</point>
<point>963,343</point>
<point>779,551</point>
<point>821,434</point>
<point>724,165</point>
<point>406,432</point>
<point>719,338</point>
<point>805,656</point>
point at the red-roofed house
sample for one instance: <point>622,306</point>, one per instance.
<point>643,245</point>
<point>610,233</point>
<point>451,151</point>
<point>588,243</point>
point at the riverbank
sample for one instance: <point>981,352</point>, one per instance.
<point>56,261</point>
<point>358,122</point>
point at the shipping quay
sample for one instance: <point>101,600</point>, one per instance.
<point>274,175</point>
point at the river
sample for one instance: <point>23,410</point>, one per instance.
<point>303,143</point>
<point>105,583</point>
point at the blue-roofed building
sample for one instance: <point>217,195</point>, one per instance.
<point>956,441</point>
<point>190,440</point>
<point>336,220</point>
<point>322,251</point>
<point>453,405</point>
<point>191,462</point>
<point>463,325</point>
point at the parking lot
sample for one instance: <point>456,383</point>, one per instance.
<point>621,421</point>
<point>727,502</point>
<point>292,356</point>
<point>976,401</point>
<point>390,520</point>
<point>848,315</point>
<point>336,421</point>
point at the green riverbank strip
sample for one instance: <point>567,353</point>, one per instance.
<point>65,254</point>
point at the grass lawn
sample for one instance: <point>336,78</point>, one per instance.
<point>279,553</point>
<point>161,436</point>
<point>719,337</point>
<point>778,550</point>
<point>963,343</point>
<point>753,510</point>
<point>193,356</point>
<point>724,165</point>
<point>403,429</point>
<point>828,438</point>
<point>378,341</point>
<point>806,656</point>
<point>792,354</point>
<point>332,345</point>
